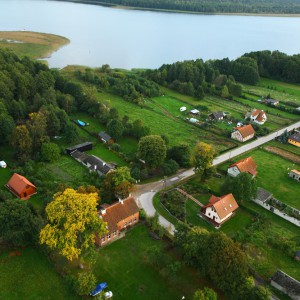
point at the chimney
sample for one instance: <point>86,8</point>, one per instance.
<point>121,201</point>
<point>104,163</point>
<point>103,212</point>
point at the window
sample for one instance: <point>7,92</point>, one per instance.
<point>125,224</point>
<point>115,233</point>
<point>103,240</point>
<point>130,222</point>
<point>134,220</point>
<point>108,237</point>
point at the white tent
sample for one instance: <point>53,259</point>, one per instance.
<point>183,108</point>
<point>194,111</point>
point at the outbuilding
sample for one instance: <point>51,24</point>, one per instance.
<point>21,187</point>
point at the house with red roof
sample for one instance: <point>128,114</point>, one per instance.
<point>118,216</point>
<point>21,187</point>
<point>244,165</point>
<point>219,209</point>
<point>243,133</point>
<point>258,116</point>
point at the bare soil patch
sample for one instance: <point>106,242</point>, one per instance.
<point>283,153</point>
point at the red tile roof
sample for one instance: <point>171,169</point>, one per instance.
<point>118,212</point>
<point>19,183</point>
<point>259,114</point>
<point>246,130</point>
<point>246,165</point>
<point>223,205</point>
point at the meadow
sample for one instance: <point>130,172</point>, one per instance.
<point>27,274</point>
<point>32,44</point>
<point>133,272</point>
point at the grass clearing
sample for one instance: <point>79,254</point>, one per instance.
<point>125,266</point>
<point>31,276</point>
<point>32,44</point>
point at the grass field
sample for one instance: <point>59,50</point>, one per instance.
<point>32,44</point>
<point>125,266</point>
<point>31,276</point>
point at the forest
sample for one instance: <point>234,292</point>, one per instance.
<point>211,6</point>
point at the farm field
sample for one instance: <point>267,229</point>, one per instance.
<point>125,266</point>
<point>27,274</point>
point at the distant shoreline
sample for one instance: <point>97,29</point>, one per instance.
<point>91,2</point>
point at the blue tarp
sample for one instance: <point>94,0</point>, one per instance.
<point>98,289</point>
<point>81,123</point>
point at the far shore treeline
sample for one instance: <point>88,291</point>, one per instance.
<point>209,6</point>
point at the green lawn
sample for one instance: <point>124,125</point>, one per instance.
<point>124,265</point>
<point>31,276</point>
<point>273,176</point>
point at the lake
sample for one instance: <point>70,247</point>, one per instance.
<point>140,39</point>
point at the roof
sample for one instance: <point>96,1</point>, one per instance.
<point>295,137</point>
<point>246,165</point>
<point>263,195</point>
<point>223,205</point>
<point>289,283</point>
<point>19,183</point>
<point>259,114</point>
<point>246,130</point>
<point>119,211</point>
<point>103,135</point>
<point>295,172</point>
<point>297,254</point>
<point>96,163</point>
<point>79,146</point>
<point>194,111</point>
<point>217,114</point>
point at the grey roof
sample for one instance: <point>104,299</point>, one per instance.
<point>103,135</point>
<point>297,253</point>
<point>217,114</point>
<point>271,101</point>
<point>93,162</point>
<point>289,283</point>
<point>263,195</point>
<point>295,137</point>
<point>79,146</point>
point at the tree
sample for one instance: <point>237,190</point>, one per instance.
<point>262,293</point>
<point>7,126</point>
<point>71,133</point>
<point>73,223</point>
<point>243,187</point>
<point>50,152</point>
<point>205,294</point>
<point>115,128</point>
<point>19,222</point>
<point>85,282</point>
<point>22,142</point>
<point>118,183</point>
<point>152,149</point>
<point>181,154</point>
<point>202,158</point>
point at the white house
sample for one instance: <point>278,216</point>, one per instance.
<point>295,174</point>
<point>258,116</point>
<point>243,133</point>
<point>244,165</point>
<point>220,209</point>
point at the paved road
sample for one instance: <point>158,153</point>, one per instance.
<point>145,193</point>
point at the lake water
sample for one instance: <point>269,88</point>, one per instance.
<point>141,39</point>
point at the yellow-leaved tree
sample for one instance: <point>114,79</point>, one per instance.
<point>73,222</point>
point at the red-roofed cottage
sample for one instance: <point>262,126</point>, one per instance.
<point>243,133</point>
<point>258,116</point>
<point>244,165</point>
<point>220,209</point>
<point>118,216</point>
<point>21,187</point>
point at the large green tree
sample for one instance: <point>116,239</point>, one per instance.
<point>115,128</point>
<point>19,222</point>
<point>73,222</point>
<point>152,149</point>
<point>22,142</point>
<point>243,187</point>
